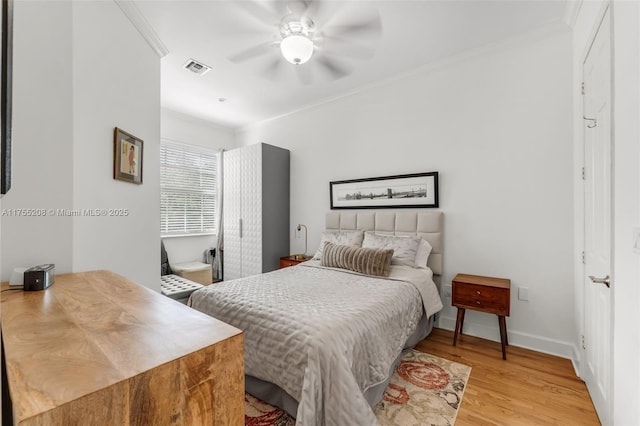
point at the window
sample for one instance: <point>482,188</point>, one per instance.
<point>188,189</point>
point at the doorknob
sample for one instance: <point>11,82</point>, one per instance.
<point>604,280</point>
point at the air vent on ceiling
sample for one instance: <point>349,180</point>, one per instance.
<point>196,67</point>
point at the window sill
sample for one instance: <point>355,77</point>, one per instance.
<point>203,234</point>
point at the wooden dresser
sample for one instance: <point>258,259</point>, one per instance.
<point>95,348</point>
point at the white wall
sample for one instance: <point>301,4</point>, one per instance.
<point>626,196</point>
<point>497,126</point>
<point>183,128</point>
<point>194,131</point>
<point>81,69</point>
<point>116,82</point>
<point>42,158</point>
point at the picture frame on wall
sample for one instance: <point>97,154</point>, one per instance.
<point>417,190</point>
<point>127,157</point>
<point>6,98</point>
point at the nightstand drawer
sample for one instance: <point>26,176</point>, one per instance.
<point>482,298</point>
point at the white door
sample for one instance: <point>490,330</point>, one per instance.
<point>598,343</point>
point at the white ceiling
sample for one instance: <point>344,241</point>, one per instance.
<point>414,34</point>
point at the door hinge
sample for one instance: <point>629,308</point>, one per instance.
<point>583,345</point>
<point>583,261</point>
<point>582,87</point>
<point>584,174</point>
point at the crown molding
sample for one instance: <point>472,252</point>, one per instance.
<point>145,29</point>
<point>571,10</point>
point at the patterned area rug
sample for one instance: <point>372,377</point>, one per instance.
<point>424,390</point>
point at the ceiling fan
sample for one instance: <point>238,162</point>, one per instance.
<point>330,44</point>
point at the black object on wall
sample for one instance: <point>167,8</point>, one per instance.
<point>6,98</point>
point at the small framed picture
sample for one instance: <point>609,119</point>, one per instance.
<point>127,157</point>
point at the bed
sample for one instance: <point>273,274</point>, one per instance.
<point>322,342</point>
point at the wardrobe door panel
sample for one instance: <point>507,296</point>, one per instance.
<point>232,210</point>
<point>251,176</point>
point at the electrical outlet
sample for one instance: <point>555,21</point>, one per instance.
<point>523,294</point>
<point>447,291</point>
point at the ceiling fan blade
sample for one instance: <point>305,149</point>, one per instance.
<point>305,74</point>
<point>335,68</point>
<point>262,11</point>
<point>323,12</point>
<point>370,27</point>
<point>273,70</point>
<point>345,47</point>
<point>253,52</point>
<point>297,7</point>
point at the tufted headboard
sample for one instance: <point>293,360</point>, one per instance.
<point>428,225</point>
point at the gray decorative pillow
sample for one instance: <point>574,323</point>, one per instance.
<point>363,260</point>
<point>343,238</point>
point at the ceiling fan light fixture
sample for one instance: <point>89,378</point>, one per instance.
<point>296,48</point>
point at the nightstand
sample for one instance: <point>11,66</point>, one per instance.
<point>484,294</point>
<point>293,260</point>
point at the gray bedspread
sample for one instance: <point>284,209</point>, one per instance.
<point>321,334</point>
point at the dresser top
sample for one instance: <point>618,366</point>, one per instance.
<point>485,281</point>
<point>91,330</point>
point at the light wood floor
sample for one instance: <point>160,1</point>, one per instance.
<point>529,388</point>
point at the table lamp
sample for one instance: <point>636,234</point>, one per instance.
<point>303,255</point>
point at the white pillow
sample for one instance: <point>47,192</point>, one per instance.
<point>422,255</point>
<point>340,238</point>
<point>404,248</point>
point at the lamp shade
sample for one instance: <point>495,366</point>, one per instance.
<point>296,48</point>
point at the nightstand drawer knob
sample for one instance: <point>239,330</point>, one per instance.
<point>478,291</point>
<point>477,302</point>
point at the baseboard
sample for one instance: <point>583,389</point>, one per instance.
<point>523,340</point>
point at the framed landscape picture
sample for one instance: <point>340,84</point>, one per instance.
<point>418,190</point>
<point>127,157</point>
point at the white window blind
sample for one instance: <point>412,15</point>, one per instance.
<point>188,186</point>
